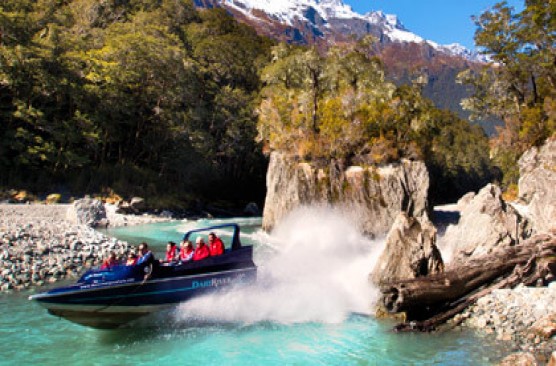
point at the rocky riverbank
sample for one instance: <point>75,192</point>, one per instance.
<point>42,244</point>
<point>525,317</point>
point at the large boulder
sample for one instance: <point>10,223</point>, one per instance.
<point>410,251</point>
<point>89,211</point>
<point>486,222</point>
<point>537,185</point>
<point>371,196</point>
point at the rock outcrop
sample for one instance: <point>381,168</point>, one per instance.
<point>486,222</point>
<point>89,211</point>
<point>537,185</point>
<point>371,196</point>
<point>410,251</point>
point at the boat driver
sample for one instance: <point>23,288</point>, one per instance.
<point>147,257</point>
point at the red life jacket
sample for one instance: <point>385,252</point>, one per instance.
<point>108,263</point>
<point>171,254</point>
<point>185,253</point>
<point>201,253</point>
<point>216,247</point>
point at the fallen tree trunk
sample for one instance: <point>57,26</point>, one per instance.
<point>430,301</point>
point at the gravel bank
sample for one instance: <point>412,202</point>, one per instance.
<point>525,317</point>
<point>42,244</point>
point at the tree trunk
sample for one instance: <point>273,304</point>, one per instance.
<point>433,300</point>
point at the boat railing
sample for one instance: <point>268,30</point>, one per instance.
<point>236,242</point>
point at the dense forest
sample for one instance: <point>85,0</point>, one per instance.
<point>158,99</point>
<point>146,98</point>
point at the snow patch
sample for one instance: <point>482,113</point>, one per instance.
<point>291,11</point>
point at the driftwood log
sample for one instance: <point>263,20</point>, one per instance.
<point>431,301</point>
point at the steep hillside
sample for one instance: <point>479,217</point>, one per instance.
<point>328,22</point>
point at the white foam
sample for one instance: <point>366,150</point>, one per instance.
<point>316,270</point>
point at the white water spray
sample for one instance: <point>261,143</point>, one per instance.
<point>317,272</point>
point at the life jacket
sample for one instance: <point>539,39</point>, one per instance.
<point>186,254</point>
<point>108,263</point>
<point>216,247</point>
<point>171,255</point>
<point>201,253</point>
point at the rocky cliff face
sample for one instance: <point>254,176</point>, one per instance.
<point>486,222</point>
<point>371,196</point>
<point>410,251</point>
<point>537,185</point>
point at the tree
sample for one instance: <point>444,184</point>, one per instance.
<point>519,86</point>
<point>144,97</point>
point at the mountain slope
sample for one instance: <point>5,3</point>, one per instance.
<point>316,21</point>
<point>328,22</point>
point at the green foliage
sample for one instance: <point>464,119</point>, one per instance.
<point>143,96</point>
<point>151,97</point>
<point>457,155</point>
<point>338,105</point>
<point>521,87</point>
<point>318,106</point>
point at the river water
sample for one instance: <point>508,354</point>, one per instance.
<point>310,306</point>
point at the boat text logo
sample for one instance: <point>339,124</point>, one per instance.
<point>217,282</point>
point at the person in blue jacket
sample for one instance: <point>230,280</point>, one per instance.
<point>146,256</point>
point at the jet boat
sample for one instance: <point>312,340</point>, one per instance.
<point>110,298</point>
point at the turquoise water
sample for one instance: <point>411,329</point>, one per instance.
<point>303,311</point>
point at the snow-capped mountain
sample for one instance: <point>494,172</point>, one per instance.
<point>328,22</point>
<point>313,21</point>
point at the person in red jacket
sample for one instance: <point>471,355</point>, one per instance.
<point>186,251</point>
<point>202,251</point>
<point>171,252</point>
<point>110,262</point>
<point>215,244</point>
<point>131,259</point>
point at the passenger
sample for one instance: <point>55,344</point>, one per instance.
<point>171,252</point>
<point>131,259</point>
<point>186,251</point>
<point>215,244</point>
<point>202,251</point>
<point>110,262</point>
<point>146,256</point>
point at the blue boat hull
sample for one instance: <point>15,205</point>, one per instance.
<point>112,306</point>
<point>109,298</point>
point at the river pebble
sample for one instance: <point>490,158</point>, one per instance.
<point>525,317</point>
<point>40,244</point>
